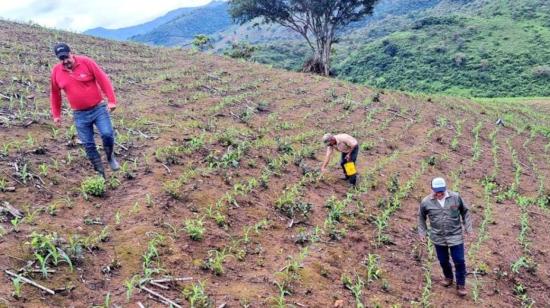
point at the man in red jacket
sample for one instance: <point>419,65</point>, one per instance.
<point>83,82</point>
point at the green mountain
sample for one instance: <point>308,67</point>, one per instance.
<point>482,48</point>
<point>491,48</point>
<point>127,32</point>
<point>471,48</point>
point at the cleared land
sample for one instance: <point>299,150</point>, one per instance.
<point>219,184</point>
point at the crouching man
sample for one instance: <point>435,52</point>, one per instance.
<point>348,146</point>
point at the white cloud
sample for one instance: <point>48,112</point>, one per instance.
<point>78,15</point>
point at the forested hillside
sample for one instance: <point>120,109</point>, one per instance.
<point>471,48</point>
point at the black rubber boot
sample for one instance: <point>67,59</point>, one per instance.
<point>353,180</point>
<point>109,151</point>
<point>98,166</point>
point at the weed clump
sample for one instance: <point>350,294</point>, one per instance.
<point>94,186</point>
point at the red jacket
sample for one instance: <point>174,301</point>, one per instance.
<point>82,85</point>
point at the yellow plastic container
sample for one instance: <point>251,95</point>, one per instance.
<point>350,168</point>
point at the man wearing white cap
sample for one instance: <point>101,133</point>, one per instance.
<point>448,215</point>
<point>347,145</point>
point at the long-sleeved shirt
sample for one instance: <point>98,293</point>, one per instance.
<point>445,222</point>
<point>82,86</point>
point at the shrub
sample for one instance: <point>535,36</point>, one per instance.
<point>240,50</point>
<point>94,186</point>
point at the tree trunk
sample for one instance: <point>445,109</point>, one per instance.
<point>326,57</point>
<point>320,62</point>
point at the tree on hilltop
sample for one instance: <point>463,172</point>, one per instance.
<point>202,42</point>
<point>317,21</point>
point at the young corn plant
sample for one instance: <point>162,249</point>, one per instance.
<point>151,261</point>
<point>46,250</point>
<point>43,169</point>
<point>130,285</point>
<point>3,184</point>
<point>15,222</point>
<point>454,141</point>
<point>118,217</point>
<point>24,174</point>
<point>196,295</point>
<point>475,288</point>
<point>195,228</point>
<point>373,268</point>
<point>17,283</point>
<point>356,288</point>
<point>523,262</point>
<point>173,189</point>
<point>215,261</point>
<point>291,271</point>
<point>280,301</point>
<point>427,289</point>
<point>476,150</point>
<point>521,293</point>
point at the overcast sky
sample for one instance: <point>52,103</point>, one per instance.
<point>80,15</point>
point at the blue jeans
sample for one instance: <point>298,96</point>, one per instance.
<point>85,121</point>
<point>457,253</point>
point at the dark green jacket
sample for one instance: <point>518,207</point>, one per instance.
<point>445,222</point>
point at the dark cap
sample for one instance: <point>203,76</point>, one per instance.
<point>61,50</point>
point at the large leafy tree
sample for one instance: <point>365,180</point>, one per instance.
<point>318,21</point>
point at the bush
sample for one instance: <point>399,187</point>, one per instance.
<point>240,50</point>
<point>94,186</point>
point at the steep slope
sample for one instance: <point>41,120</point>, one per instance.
<point>487,48</point>
<point>233,146</point>
<point>127,32</point>
<point>468,48</point>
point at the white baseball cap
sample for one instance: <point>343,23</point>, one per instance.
<point>327,137</point>
<point>439,185</point>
